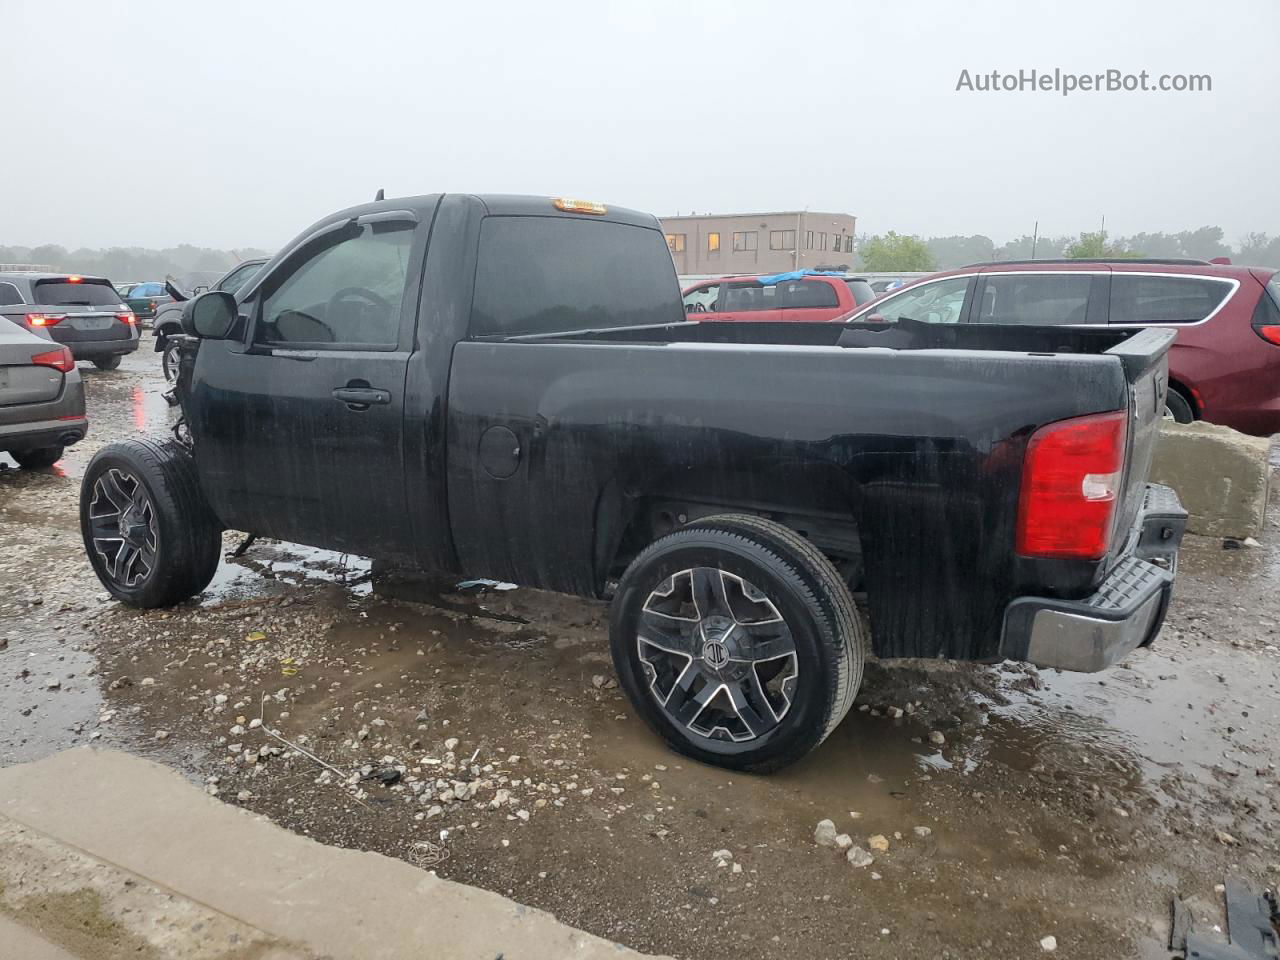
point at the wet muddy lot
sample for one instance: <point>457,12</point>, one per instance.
<point>479,732</point>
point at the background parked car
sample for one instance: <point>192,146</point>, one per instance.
<point>85,313</point>
<point>41,398</point>
<point>168,319</point>
<point>145,298</point>
<point>1224,366</point>
<point>799,296</point>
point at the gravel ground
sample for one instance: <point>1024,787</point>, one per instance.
<point>480,732</point>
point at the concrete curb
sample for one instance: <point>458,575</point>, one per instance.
<point>145,819</point>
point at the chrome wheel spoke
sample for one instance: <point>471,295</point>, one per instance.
<point>673,635</point>
<point>709,593</point>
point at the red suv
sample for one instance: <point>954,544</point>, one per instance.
<point>1224,366</point>
<point>785,296</point>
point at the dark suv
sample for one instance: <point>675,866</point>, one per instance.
<point>83,313</point>
<point>1224,366</point>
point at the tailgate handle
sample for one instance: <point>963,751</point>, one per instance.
<point>361,396</point>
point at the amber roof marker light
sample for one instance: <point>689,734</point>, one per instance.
<point>579,206</point>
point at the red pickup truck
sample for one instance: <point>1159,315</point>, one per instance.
<point>788,296</point>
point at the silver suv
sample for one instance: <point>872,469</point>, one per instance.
<point>85,314</point>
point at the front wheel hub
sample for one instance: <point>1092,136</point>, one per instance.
<point>122,527</point>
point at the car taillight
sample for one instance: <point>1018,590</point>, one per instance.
<point>126,318</point>
<point>58,359</point>
<point>45,319</point>
<point>1071,477</point>
<point>1268,332</point>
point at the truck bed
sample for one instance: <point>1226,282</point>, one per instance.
<point>896,448</point>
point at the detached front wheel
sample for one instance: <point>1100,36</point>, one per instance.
<point>150,537</point>
<point>738,642</point>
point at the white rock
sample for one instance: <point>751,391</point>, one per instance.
<point>844,842</point>
<point>936,738</point>
<point>858,857</point>
<point>220,698</point>
<point>824,835</point>
<point>722,855</point>
<point>1049,944</point>
<point>921,831</point>
<point>737,868</point>
<point>523,815</point>
<point>53,683</point>
<point>451,743</point>
<point>255,723</point>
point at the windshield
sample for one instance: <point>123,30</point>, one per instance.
<point>82,293</point>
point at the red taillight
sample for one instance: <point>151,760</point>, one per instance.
<point>75,279</point>
<point>126,318</point>
<point>1269,333</point>
<point>45,319</point>
<point>1071,479</point>
<point>58,359</point>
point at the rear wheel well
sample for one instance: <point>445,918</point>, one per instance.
<point>835,536</point>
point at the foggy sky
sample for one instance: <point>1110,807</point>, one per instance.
<point>234,124</point>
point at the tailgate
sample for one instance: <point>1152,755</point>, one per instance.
<point>1145,358</point>
<point>28,384</point>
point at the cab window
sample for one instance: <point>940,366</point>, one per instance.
<point>348,292</point>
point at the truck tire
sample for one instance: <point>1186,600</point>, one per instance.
<point>37,458</point>
<point>108,363</point>
<point>1178,408</point>
<point>737,642</point>
<point>170,357</point>
<point>149,534</point>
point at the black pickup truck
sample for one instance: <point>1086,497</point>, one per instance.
<point>507,387</point>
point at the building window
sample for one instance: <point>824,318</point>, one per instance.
<point>822,241</point>
<point>808,240</point>
<point>744,241</point>
<point>713,243</point>
<point>675,242</point>
<point>848,244</point>
<point>782,239</point>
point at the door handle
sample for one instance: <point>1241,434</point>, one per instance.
<point>362,396</point>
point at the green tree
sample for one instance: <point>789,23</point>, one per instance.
<point>950,252</point>
<point>893,252</point>
<point>1094,246</point>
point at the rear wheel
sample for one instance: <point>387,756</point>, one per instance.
<point>737,642</point>
<point>150,537</point>
<point>1177,407</point>
<point>37,458</point>
<point>108,363</point>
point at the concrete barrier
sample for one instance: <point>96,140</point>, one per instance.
<point>1222,477</point>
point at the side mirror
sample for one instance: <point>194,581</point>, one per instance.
<point>202,288</point>
<point>210,316</point>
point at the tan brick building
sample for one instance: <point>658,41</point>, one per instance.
<point>760,242</point>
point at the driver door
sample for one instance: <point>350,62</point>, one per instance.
<point>300,423</point>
